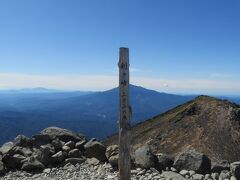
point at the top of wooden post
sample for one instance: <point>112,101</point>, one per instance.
<point>123,53</point>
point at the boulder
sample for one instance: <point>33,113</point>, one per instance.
<point>32,164</point>
<point>27,152</point>
<point>2,168</point>
<point>172,175</point>
<point>57,144</point>
<point>41,139</point>
<point>193,160</point>
<point>12,159</point>
<point>46,151</point>
<point>75,153</point>
<point>112,155</point>
<point>66,149</point>
<point>58,157</point>
<point>6,147</point>
<point>80,145</point>
<point>62,134</point>
<point>165,161</point>
<point>15,161</point>
<point>220,166</point>
<point>95,149</point>
<point>70,144</point>
<point>22,141</point>
<point>75,161</point>
<point>235,169</point>
<point>144,158</point>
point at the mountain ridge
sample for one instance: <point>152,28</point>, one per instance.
<point>94,114</point>
<point>207,124</point>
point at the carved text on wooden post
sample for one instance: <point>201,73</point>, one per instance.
<point>124,163</point>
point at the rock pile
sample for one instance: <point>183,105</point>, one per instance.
<point>58,153</point>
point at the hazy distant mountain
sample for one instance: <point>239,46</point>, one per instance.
<point>94,114</point>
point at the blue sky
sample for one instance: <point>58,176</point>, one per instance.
<point>187,46</point>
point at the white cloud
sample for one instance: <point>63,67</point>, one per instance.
<point>221,75</point>
<point>103,82</point>
<point>132,69</point>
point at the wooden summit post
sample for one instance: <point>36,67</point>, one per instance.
<point>124,162</point>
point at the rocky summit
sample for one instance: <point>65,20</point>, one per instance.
<point>58,154</point>
<point>206,124</point>
<point>198,140</point>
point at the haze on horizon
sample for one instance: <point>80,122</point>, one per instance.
<point>183,47</point>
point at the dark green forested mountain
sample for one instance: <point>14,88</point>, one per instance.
<point>94,114</point>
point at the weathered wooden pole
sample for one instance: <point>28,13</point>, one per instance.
<point>124,162</point>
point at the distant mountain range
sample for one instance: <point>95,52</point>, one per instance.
<point>95,114</point>
<point>28,111</point>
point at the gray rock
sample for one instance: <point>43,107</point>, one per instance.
<point>95,149</point>
<point>22,141</point>
<point>75,161</point>
<point>165,161</point>
<point>80,145</point>
<point>62,134</point>
<point>112,155</point>
<point>2,168</point>
<point>66,149</point>
<point>93,161</point>
<point>12,159</point>
<point>6,147</point>
<point>235,169</point>
<point>144,158</point>
<point>41,139</point>
<point>193,160</point>
<point>75,153</point>
<point>48,170</point>
<point>184,173</point>
<point>27,152</point>
<point>70,144</point>
<point>57,144</point>
<point>198,177</point>
<point>46,151</point>
<point>172,175</point>
<point>220,166</point>
<point>58,157</point>
<point>225,175</point>
<point>32,164</point>
<point>233,178</point>
<point>215,175</point>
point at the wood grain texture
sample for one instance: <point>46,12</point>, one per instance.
<point>124,163</point>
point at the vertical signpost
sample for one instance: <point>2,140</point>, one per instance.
<point>124,162</point>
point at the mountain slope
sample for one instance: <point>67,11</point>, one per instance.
<point>95,114</point>
<point>207,124</point>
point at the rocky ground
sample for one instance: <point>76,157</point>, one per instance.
<point>58,153</point>
<point>87,171</point>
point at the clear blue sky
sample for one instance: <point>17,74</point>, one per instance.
<point>181,46</point>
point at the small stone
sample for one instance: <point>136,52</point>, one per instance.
<point>215,175</point>
<point>173,169</point>
<point>48,170</point>
<point>191,173</point>
<point>93,161</point>
<point>198,177</point>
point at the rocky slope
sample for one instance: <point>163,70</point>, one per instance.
<point>57,153</point>
<point>206,124</point>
